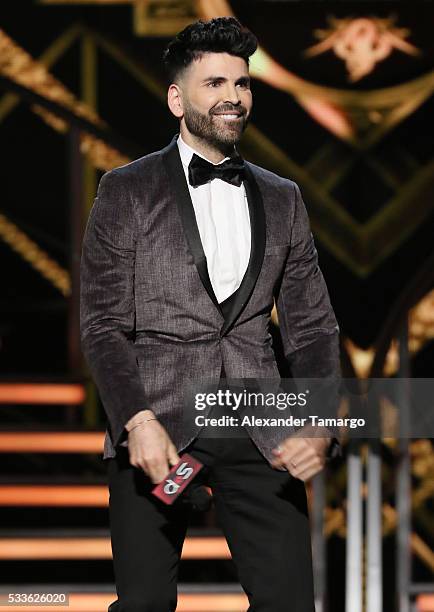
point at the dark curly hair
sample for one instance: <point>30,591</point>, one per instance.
<point>219,35</point>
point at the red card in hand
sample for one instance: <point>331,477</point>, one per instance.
<point>177,479</point>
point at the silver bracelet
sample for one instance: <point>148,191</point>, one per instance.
<point>144,421</point>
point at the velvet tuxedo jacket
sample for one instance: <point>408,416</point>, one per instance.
<point>148,314</point>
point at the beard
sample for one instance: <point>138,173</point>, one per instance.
<point>215,131</point>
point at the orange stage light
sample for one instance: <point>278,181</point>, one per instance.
<point>425,603</point>
<point>206,547</point>
<point>52,442</point>
<point>54,495</point>
<point>41,393</point>
<point>187,602</point>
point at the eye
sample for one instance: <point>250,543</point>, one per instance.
<point>214,83</point>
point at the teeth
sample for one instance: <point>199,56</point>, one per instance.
<point>229,116</point>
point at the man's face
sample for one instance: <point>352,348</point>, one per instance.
<point>216,98</point>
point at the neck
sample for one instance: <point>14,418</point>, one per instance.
<point>214,153</point>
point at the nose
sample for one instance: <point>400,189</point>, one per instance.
<point>231,94</point>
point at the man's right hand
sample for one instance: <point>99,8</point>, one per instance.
<point>151,449</point>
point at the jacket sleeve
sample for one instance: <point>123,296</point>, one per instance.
<point>308,326</point>
<point>107,305</point>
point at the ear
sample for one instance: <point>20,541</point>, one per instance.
<point>174,100</point>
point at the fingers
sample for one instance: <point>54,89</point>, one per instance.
<point>157,468</point>
<point>301,459</point>
<point>172,454</point>
<point>155,465</point>
<point>151,450</point>
<point>291,450</point>
<point>306,469</point>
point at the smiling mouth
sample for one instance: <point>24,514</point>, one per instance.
<point>229,116</point>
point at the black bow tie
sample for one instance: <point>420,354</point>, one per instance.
<point>201,171</point>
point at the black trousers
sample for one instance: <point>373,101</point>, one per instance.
<point>262,512</point>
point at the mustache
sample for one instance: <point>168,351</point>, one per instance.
<point>225,108</point>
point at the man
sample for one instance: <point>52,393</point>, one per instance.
<point>183,253</point>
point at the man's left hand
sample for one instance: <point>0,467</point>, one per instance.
<point>302,457</point>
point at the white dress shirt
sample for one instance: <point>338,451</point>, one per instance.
<point>222,216</point>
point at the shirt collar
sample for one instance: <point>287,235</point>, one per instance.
<point>186,152</point>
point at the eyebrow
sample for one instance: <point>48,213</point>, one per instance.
<point>243,79</point>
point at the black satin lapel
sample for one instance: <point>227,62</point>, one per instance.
<point>175,171</point>
<point>257,248</point>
